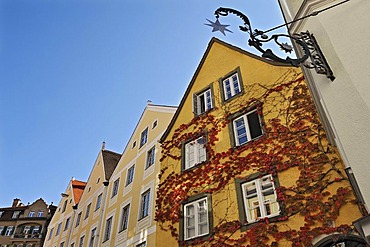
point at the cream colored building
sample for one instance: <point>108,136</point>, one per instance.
<point>87,222</point>
<point>116,206</point>
<point>60,226</point>
<point>128,218</point>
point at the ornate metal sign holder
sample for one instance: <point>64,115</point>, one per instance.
<point>304,40</point>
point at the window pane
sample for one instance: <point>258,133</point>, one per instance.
<point>208,100</point>
<point>236,84</point>
<point>240,131</point>
<point>227,89</point>
<point>254,125</point>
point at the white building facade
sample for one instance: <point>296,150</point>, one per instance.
<point>341,31</point>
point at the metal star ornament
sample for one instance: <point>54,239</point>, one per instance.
<point>217,26</point>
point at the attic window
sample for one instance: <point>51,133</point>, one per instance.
<point>203,101</point>
<point>98,180</point>
<point>155,123</point>
<point>133,144</point>
<point>231,85</point>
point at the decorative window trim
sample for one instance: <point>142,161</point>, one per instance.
<point>124,217</point>
<point>239,183</point>
<point>108,228</point>
<point>88,207</point>
<point>150,157</point>
<point>193,200</point>
<point>81,244</point>
<point>144,137</point>
<point>244,114</point>
<point>92,237</point>
<point>98,201</point>
<point>155,124</point>
<point>78,220</point>
<point>115,188</point>
<point>222,86</point>
<point>184,165</point>
<point>66,226</point>
<point>144,205</point>
<point>202,94</point>
<point>59,228</point>
<point>130,175</point>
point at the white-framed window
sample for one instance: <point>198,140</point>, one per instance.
<point>81,244</point>
<point>202,102</point>
<point>31,214</point>
<point>16,214</point>
<point>72,244</point>
<point>144,137</point>
<point>98,201</point>
<point>92,237</point>
<point>64,206</point>
<point>144,204</point>
<point>150,159</point>
<point>195,152</point>
<point>247,127</point>
<point>9,230</point>
<point>260,199</point>
<point>130,175</point>
<point>196,219</point>
<point>1,213</point>
<point>133,144</point>
<point>155,123</point>
<point>143,244</point>
<point>66,226</point>
<point>61,244</point>
<point>51,233</point>
<point>115,187</point>
<point>58,229</point>
<point>1,229</point>
<point>36,230</point>
<point>78,219</point>
<point>124,218</point>
<point>40,213</point>
<point>87,211</point>
<point>231,86</point>
<point>108,228</point>
<point>26,230</point>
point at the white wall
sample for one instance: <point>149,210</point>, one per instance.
<point>343,35</point>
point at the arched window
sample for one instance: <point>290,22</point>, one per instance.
<point>341,241</point>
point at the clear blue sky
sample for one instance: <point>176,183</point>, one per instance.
<point>75,73</point>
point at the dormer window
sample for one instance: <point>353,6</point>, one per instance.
<point>203,101</point>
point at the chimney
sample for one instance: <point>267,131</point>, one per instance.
<point>103,146</point>
<point>148,102</point>
<point>16,202</point>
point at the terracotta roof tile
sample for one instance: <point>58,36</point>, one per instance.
<point>78,189</point>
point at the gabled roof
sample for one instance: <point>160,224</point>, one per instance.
<point>210,44</point>
<point>151,107</point>
<point>110,160</point>
<point>78,188</point>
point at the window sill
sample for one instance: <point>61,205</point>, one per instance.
<point>141,218</point>
<point>197,239</point>
<point>271,219</point>
<point>194,167</point>
<point>251,141</point>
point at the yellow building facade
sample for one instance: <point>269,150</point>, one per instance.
<point>116,206</point>
<point>59,229</point>
<point>128,218</point>
<point>245,161</point>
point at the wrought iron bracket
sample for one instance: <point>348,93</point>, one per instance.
<point>305,41</point>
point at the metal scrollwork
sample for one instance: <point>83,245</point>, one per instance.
<point>305,41</point>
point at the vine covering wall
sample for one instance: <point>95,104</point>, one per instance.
<point>313,193</point>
